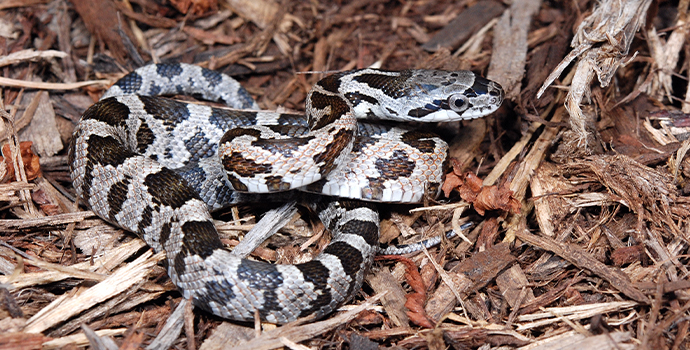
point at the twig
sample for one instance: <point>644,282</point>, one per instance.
<point>50,86</point>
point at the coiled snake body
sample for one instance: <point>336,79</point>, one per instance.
<point>157,167</point>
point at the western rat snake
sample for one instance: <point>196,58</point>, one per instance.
<point>157,167</point>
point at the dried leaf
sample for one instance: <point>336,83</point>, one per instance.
<point>451,182</point>
<point>471,190</point>
<point>31,162</point>
<point>197,7</point>
<point>492,197</point>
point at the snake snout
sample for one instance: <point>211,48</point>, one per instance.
<point>483,86</point>
<point>496,90</point>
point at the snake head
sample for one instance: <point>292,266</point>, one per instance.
<point>416,95</point>
<point>442,96</point>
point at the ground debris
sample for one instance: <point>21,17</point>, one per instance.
<point>579,192</point>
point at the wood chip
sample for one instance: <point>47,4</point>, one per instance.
<point>464,25</point>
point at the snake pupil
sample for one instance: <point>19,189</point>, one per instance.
<point>458,103</point>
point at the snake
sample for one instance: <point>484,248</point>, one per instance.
<point>158,167</point>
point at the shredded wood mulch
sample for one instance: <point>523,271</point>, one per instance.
<point>579,186</point>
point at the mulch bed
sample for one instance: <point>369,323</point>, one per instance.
<point>576,186</point>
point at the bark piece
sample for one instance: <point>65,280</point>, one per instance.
<point>42,129</point>
<point>510,46</point>
<point>394,301</point>
<point>471,275</point>
<point>100,17</point>
<point>580,258</point>
<point>22,341</point>
<point>464,25</point>
<point>551,208</point>
<point>511,283</point>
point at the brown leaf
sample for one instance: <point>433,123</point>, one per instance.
<point>472,190</point>
<point>492,197</point>
<point>31,162</point>
<point>450,183</point>
<point>196,6</point>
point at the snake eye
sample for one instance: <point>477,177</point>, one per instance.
<point>458,102</point>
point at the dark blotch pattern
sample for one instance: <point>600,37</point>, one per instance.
<point>226,119</point>
<point>170,111</point>
<point>237,185</point>
<point>315,187</point>
<point>200,238</point>
<point>329,155</point>
<point>246,99</point>
<point>265,277</point>
<point>292,119</point>
<point>165,234</point>
<point>235,162</point>
<point>276,184</point>
<point>109,111</point>
<point>357,97</point>
<point>212,77</point>
<point>200,146</point>
<point>361,142</point>
<point>419,112</point>
<point>107,151</point>
<point>283,146</point>
<point>338,108</point>
<point>470,93</point>
<point>167,188</point>
<point>88,180</point>
<point>373,129</point>
<point>155,90</point>
<point>420,140</point>
<point>314,272</point>
<point>429,108</point>
<point>172,188</point>
<point>130,83</point>
<point>193,173</point>
<point>145,137</point>
<point>237,132</point>
<point>394,86</point>
<point>169,70</point>
<point>218,290</point>
<point>391,111</point>
<point>146,219</point>
<point>292,131</point>
<point>116,196</point>
<point>350,258</point>
<point>330,83</point>
<point>366,229</point>
<point>399,165</point>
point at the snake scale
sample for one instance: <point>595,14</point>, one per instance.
<point>158,167</point>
